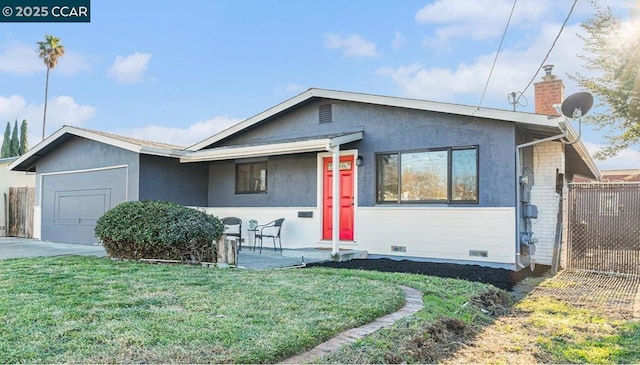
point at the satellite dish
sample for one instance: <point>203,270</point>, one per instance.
<point>577,105</point>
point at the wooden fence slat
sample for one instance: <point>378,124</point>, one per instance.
<point>21,203</point>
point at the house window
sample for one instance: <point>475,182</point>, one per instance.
<point>444,175</point>
<point>251,178</point>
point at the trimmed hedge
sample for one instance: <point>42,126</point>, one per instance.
<point>159,230</point>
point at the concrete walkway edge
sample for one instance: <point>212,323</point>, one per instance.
<point>413,303</point>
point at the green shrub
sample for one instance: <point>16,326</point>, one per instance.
<point>159,230</point>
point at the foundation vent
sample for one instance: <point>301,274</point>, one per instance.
<point>325,115</point>
<point>479,253</point>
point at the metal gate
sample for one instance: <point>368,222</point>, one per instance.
<point>604,227</point>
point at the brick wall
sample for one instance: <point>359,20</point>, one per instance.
<point>547,93</point>
<point>548,160</point>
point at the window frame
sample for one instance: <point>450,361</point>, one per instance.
<point>251,166</point>
<point>449,176</point>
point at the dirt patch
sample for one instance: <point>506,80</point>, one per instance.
<point>453,341</point>
<point>442,339</point>
<point>500,278</point>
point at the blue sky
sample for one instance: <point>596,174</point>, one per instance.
<point>178,72</point>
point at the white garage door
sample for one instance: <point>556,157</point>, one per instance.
<point>73,202</point>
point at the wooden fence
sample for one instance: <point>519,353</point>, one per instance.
<point>21,202</point>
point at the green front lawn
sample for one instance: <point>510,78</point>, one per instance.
<point>92,310</point>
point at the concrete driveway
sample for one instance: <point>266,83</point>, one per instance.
<point>12,247</point>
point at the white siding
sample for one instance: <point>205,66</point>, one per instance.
<point>548,160</point>
<point>441,233</point>
<point>296,232</point>
<point>446,233</point>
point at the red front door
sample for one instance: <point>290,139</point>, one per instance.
<point>346,198</point>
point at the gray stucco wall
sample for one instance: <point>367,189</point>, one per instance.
<point>163,178</point>
<point>392,129</point>
<point>291,182</point>
<point>80,154</point>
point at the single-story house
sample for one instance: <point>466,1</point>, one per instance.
<point>416,179</point>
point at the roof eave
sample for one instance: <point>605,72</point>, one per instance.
<point>27,161</point>
<point>581,149</point>
<point>465,110</point>
<point>271,149</point>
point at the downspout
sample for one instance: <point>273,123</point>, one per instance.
<point>518,177</point>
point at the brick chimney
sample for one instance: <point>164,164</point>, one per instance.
<point>548,92</point>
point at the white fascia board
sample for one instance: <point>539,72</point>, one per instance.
<point>77,132</point>
<point>35,149</point>
<point>347,138</point>
<point>227,153</point>
<point>91,136</point>
<point>457,109</point>
<point>251,121</point>
<point>579,146</point>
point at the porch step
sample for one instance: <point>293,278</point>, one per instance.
<point>325,255</point>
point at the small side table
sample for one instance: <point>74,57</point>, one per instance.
<point>251,232</point>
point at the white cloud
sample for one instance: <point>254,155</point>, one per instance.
<point>514,69</point>
<point>478,19</point>
<point>12,106</point>
<point>351,46</point>
<point>181,136</point>
<point>20,59</point>
<point>61,110</point>
<point>626,159</point>
<point>398,40</point>
<point>129,69</point>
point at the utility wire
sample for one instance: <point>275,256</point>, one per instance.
<point>550,49</point>
<point>497,53</point>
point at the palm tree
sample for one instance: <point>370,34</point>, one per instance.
<point>49,51</point>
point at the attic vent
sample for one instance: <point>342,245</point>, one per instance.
<point>324,112</point>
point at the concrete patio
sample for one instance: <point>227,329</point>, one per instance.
<point>12,247</point>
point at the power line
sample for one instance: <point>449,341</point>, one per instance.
<point>549,52</point>
<point>497,53</point>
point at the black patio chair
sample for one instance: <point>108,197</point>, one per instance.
<point>233,228</point>
<point>271,229</point>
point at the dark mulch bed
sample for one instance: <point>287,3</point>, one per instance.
<point>501,278</point>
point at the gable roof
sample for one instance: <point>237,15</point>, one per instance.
<point>313,93</point>
<point>539,126</point>
<point>27,161</point>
